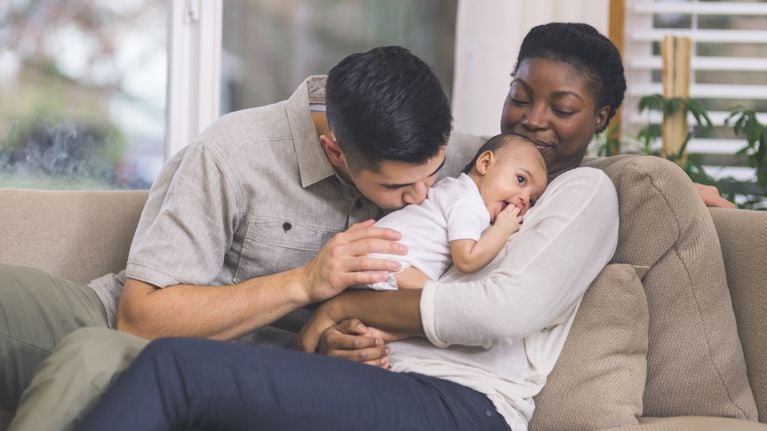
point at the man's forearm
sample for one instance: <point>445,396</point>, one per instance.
<point>218,312</point>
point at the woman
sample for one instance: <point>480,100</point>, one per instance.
<point>499,332</point>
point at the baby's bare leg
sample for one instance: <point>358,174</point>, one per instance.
<point>411,278</point>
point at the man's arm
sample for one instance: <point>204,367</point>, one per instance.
<point>227,312</point>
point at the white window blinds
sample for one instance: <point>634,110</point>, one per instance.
<point>729,65</point>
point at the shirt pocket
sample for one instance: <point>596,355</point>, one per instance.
<point>276,245</point>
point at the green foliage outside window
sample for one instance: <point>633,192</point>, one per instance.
<point>743,121</point>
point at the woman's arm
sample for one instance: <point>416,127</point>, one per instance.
<point>395,312</point>
<point>711,197</point>
<point>546,267</point>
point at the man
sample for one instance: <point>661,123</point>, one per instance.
<point>241,229</point>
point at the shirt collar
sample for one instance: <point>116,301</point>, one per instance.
<point>313,163</point>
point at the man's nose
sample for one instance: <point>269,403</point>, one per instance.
<point>417,193</point>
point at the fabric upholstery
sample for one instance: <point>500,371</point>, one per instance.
<point>743,235</point>
<point>599,377</point>
<point>667,233</point>
<point>76,235</point>
<point>692,423</point>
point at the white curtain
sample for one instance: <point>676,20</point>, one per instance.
<point>488,35</point>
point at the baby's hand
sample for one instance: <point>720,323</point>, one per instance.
<point>509,219</point>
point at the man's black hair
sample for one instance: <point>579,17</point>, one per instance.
<point>386,104</point>
<point>583,47</point>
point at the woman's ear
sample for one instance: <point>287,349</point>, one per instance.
<point>333,151</point>
<point>601,118</point>
<point>484,161</point>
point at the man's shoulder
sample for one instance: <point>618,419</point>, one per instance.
<point>249,135</point>
<point>251,124</point>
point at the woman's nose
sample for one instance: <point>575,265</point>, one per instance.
<point>535,118</point>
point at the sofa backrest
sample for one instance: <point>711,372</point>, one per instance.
<point>695,361</point>
<point>743,235</point>
<point>76,235</point>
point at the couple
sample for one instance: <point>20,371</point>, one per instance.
<point>252,212</point>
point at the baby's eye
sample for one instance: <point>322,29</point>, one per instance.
<point>521,179</point>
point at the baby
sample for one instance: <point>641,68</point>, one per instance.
<point>467,220</point>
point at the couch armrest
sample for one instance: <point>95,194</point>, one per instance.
<point>692,423</point>
<point>76,235</point>
<point>743,237</point>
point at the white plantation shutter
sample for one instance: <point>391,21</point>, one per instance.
<point>729,67</point>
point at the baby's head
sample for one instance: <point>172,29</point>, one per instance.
<point>508,170</point>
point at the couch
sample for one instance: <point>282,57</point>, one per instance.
<point>671,336</point>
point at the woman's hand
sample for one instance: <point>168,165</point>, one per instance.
<point>711,196</point>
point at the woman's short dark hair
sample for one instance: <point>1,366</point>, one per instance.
<point>587,50</point>
<point>387,104</point>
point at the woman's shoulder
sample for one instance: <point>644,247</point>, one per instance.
<point>583,187</point>
<point>584,175</point>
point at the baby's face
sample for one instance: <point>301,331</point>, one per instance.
<point>518,177</point>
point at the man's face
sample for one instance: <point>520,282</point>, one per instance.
<point>396,184</point>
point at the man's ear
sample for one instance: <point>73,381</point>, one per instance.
<point>484,161</point>
<point>333,151</point>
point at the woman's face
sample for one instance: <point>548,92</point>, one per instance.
<point>551,103</point>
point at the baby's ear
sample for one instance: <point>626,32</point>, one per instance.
<point>484,161</point>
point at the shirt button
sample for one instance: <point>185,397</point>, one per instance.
<point>287,226</point>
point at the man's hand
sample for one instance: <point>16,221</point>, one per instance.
<point>343,261</point>
<point>324,318</point>
<point>711,196</point>
<point>353,340</point>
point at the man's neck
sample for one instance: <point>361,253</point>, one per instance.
<point>321,123</point>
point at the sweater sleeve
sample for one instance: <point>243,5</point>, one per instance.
<point>565,241</point>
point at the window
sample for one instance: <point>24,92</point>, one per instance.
<point>729,47</point>
<point>270,46</point>
<point>83,85</point>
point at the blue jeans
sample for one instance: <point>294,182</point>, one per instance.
<point>185,383</point>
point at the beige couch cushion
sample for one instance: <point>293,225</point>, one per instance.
<point>743,235</point>
<point>76,235</point>
<point>692,423</point>
<point>695,359</point>
<point>599,377</point>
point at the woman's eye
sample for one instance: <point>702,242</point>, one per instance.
<point>563,113</point>
<point>521,179</point>
<point>519,102</point>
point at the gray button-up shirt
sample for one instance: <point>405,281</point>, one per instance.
<point>254,195</point>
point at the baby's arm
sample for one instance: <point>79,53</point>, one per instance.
<point>470,256</point>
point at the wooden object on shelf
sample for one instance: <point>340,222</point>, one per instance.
<point>676,52</point>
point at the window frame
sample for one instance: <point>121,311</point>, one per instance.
<point>194,70</point>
